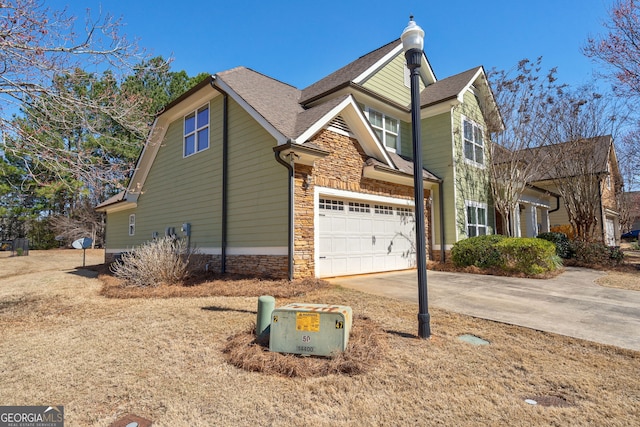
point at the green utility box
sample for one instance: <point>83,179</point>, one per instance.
<point>312,329</point>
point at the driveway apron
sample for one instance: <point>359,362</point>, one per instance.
<point>571,304</point>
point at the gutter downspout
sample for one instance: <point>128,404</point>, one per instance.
<point>225,173</point>
<point>291,168</point>
<point>557,205</point>
<point>442,239</point>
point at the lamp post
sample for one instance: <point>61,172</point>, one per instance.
<point>412,43</point>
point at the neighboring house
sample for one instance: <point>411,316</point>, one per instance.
<point>588,169</point>
<point>632,200</point>
<point>268,179</point>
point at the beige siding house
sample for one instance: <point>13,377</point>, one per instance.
<point>266,178</point>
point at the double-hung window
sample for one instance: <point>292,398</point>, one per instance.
<point>386,128</point>
<point>473,142</point>
<point>476,219</point>
<point>196,131</point>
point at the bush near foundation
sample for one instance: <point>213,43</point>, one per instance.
<point>590,254</point>
<point>562,242</point>
<point>527,256</point>
<point>530,256</point>
<point>477,251</point>
<point>163,261</point>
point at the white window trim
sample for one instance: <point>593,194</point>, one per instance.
<point>473,204</point>
<point>484,154</point>
<point>132,225</point>
<point>384,131</point>
<point>196,130</point>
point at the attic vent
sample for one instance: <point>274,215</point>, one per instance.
<point>338,125</point>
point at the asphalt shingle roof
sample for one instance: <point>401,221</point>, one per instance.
<point>275,101</point>
<point>559,157</point>
<point>448,88</point>
<point>347,73</point>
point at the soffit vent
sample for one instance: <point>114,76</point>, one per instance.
<point>338,125</point>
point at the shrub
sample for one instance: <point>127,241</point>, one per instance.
<point>589,254</point>
<point>563,245</point>
<point>528,255</point>
<point>163,261</point>
<point>479,251</point>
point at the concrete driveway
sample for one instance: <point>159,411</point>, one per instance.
<point>570,304</point>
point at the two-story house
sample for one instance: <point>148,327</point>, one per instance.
<point>265,178</point>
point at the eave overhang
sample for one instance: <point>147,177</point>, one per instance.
<point>382,173</point>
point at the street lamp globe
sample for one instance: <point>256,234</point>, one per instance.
<point>412,37</point>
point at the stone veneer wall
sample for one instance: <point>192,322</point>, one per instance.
<point>274,266</point>
<point>342,169</point>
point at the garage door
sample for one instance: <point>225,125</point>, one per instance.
<point>360,237</point>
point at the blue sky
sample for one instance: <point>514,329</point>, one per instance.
<point>299,42</point>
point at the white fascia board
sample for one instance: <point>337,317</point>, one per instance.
<point>279,137</point>
<point>378,64</point>
<point>149,152</point>
<point>438,109</point>
<point>469,83</point>
<point>425,69</point>
<point>488,93</point>
<point>530,199</point>
<point>394,178</point>
<point>358,124</point>
<point>117,207</point>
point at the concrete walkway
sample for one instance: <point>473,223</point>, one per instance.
<point>570,304</point>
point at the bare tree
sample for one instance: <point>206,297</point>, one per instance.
<point>577,159</point>
<point>619,50</point>
<point>526,97</point>
<point>84,221</point>
<point>620,47</point>
<point>44,57</point>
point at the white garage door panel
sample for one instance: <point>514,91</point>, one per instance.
<point>356,237</point>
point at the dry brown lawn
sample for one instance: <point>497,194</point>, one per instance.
<point>62,343</point>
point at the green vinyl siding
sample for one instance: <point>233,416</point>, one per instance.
<point>189,190</point>
<point>437,157</point>
<point>471,181</point>
<point>117,231</point>
<point>389,81</point>
<point>258,185</point>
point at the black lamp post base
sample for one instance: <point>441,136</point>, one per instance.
<point>424,325</point>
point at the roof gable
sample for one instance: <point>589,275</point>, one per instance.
<point>558,157</point>
<point>359,71</point>
<point>453,89</point>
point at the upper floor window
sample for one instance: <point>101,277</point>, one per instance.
<point>196,131</point>
<point>386,128</point>
<point>476,219</point>
<point>473,142</point>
